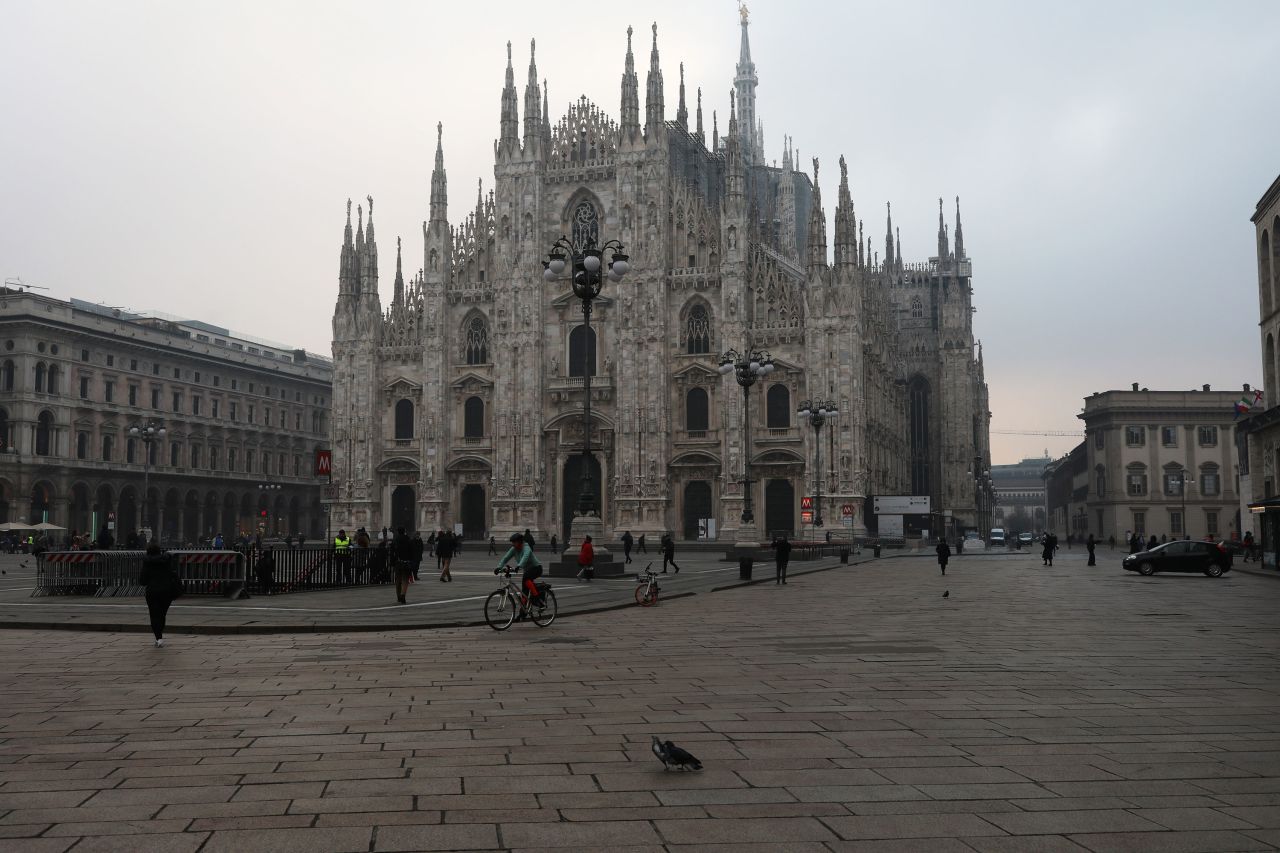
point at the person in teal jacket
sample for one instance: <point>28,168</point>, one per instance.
<point>528,564</point>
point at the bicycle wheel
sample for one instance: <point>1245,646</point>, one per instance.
<point>500,610</point>
<point>645,595</point>
<point>546,614</point>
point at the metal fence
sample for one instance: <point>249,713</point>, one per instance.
<point>315,567</point>
<point>117,573</point>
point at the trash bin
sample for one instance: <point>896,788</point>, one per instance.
<point>744,568</point>
<point>875,549</point>
<point>844,555</point>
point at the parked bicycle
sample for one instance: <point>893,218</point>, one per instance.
<point>509,602</point>
<point>647,591</point>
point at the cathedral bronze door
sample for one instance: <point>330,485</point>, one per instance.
<point>697,506</point>
<point>572,491</point>
<point>779,508</point>
<point>402,509</point>
<point>473,512</point>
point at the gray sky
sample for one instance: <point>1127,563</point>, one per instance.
<point>196,157</point>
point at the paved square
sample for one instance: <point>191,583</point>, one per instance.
<point>1033,709</point>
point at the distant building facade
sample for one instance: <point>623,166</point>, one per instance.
<point>239,415</point>
<point>1066,492</point>
<point>1019,490</point>
<point>1160,463</point>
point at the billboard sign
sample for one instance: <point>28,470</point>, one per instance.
<point>901,504</point>
<point>890,525</point>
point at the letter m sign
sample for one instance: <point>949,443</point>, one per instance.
<point>324,463</point>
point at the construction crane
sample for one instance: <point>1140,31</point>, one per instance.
<point>1073,433</point>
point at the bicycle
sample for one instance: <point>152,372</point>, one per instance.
<point>509,602</point>
<point>647,591</point>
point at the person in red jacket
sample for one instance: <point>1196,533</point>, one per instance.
<point>586,559</point>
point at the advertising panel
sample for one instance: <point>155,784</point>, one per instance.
<point>901,505</point>
<point>890,526</point>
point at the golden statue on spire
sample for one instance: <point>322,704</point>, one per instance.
<point>744,12</point>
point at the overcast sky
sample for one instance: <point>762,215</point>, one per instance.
<point>195,157</point>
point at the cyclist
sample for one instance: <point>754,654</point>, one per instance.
<point>528,564</point>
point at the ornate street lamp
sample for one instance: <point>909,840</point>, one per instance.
<point>588,272</point>
<point>149,432</point>
<point>747,368</point>
<point>817,413</point>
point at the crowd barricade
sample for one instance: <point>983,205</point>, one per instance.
<point>68,573</point>
<point>317,567</point>
<point>120,572</point>
<point>210,572</point>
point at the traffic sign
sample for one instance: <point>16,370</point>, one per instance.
<point>806,502</point>
<point>846,510</point>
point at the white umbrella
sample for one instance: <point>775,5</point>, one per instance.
<point>47,525</point>
<point>13,525</point>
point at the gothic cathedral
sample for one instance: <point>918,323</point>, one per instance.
<point>461,402</point>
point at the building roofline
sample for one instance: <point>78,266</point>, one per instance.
<point>1268,199</point>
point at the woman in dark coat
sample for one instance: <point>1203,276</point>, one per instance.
<point>1047,554</point>
<point>944,554</point>
<point>161,583</point>
<point>1091,543</point>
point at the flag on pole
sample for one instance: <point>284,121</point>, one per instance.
<point>1243,405</point>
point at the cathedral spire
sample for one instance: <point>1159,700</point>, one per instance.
<point>942,236</point>
<point>399,295</point>
<point>654,106</point>
<point>735,174</point>
<point>846,248</point>
<point>744,83</point>
<point>439,184</point>
<point>359,227</point>
<point>862,247</point>
<point>509,126</point>
<point>347,267</point>
<point>368,234</point>
<point>959,232</point>
<point>629,120</point>
<point>898,251</point>
<point>817,226</point>
<point>682,112</point>
<point>888,235</point>
<point>698,134</point>
<point>715,133</point>
<point>546,116</point>
<point>786,155</point>
<point>532,104</point>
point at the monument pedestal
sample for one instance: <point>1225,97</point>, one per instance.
<point>606,563</point>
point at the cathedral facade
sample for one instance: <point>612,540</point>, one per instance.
<point>461,402</point>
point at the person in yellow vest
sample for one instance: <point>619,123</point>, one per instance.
<point>342,552</point>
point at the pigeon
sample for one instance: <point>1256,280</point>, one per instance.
<point>661,751</point>
<point>946,594</point>
<point>680,757</point>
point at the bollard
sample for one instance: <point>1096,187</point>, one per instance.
<point>744,568</point>
<point>875,549</point>
<point>844,556</point>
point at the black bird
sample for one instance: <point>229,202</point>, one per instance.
<point>946,594</point>
<point>661,751</point>
<point>680,757</point>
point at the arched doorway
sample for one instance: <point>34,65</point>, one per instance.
<point>779,508</point>
<point>80,521</point>
<point>295,515</point>
<point>402,508</point>
<point>6,495</point>
<point>572,490</point>
<point>191,518</point>
<point>473,515</point>
<point>697,505</point>
<point>41,503</point>
<point>127,514</point>
<point>103,505</point>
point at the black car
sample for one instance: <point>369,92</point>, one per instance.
<point>1182,555</point>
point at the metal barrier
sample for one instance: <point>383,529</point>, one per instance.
<point>317,567</point>
<point>117,573</point>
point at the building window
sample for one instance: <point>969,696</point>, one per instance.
<point>582,351</point>
<point>155,370</point>
<point>404,420</point>
<point>177,401</point>
<point>1140,523</point>
<point>1169,436</point>
<point>1101,481</point>
<point>133,395</point>
<point>1211,523</point>
<point>1208,436</point>
<point>251,415</point>
<point>4,431</point>
<point>197,377</point>
<point>133,364</point>
<point>1136,481</point>
<point>131,451</point>
<point>234,384</point>
<point>84,355</point>
<point>82,445</point>
<point>266,417</point>
<point>10,370</point>
<point>44,434</point>
<point>248,461</point>
<point>177,373</point>
<point>1099,439</point>
<point>231,410</point>
<point>213,408</point>
<point>155,399</point>
<point>40,374</point>
<point>297,421</point>
<point>111,361</point>
<point>1135,436</point>
<point>1210,485</point>
<point>175,454</point>
<point>297,465</point>
<point>109,392</point>
<point>231,459</point>
<point>778,407</point>
<point>195,456</point>
<point>84,387</point>
<point>917,308</point>
<point>1173,481</point>
<point>213,459</point>
<point>216,380</point>
<point>195,405</point>
<point>699,330</point>
<point>586,224</point>
<point>108,445</point>
<point>1175,523</point>
<point>473,418</point>
<point>697,416</point>
<point>477,341</point>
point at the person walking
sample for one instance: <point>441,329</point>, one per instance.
<point>418,548</point>
<point>781,555</point>
<point>493,545</point>
<point>944,554</point>
<point>444,555</point>
<point>627,542</point>
<point>1152,543</point>
<point>402,561</point>
<point>640,547</point>
<point>1046,552</point>
<point>431,543</point>
<point>1053,546</point>
<point>528,539</point>
<point>266,571</point>
<point>1248,546</point>
<point>553,543</point>
<point>162,586</point>
<point>668,552</point>
<point>1089,545</point>
<point>342,555</point>
<point>586,560</point>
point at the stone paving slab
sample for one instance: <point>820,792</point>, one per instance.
<point>1033,709</point>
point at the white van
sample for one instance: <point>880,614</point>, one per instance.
<point>996,539</point>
